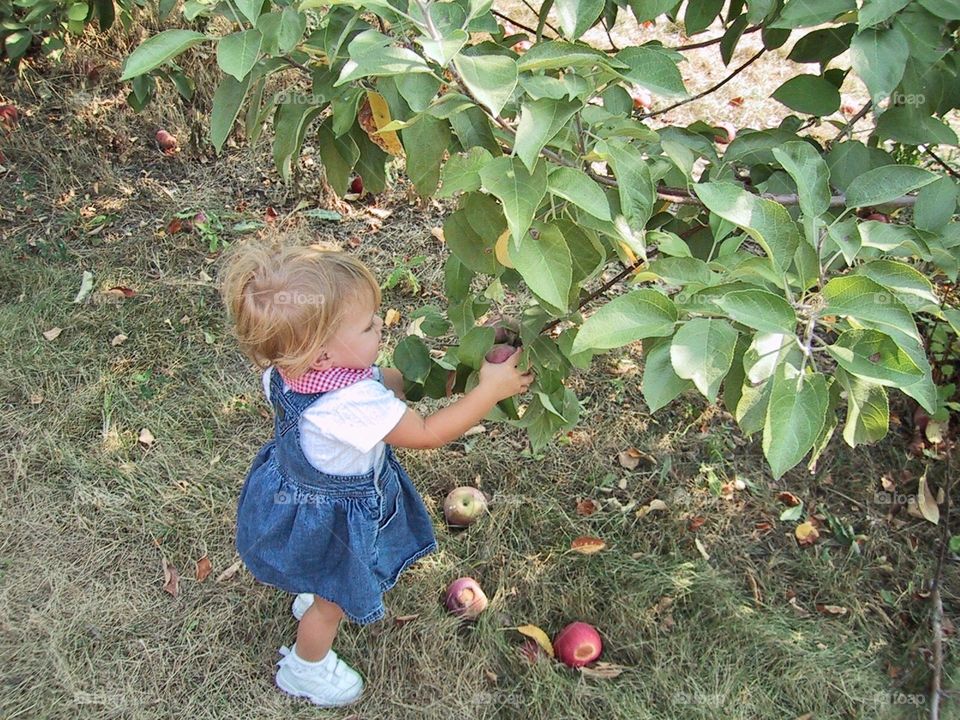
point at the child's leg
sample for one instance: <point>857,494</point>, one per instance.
<point>318,627</point>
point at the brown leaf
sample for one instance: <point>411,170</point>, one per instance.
<point>831,609</point>
<point>118,340</point>
<point>631,457</point>
<point>887,483</point>
<point>539,636</point>
<point>230,571</point>
<point>587,545</point>
<point>587,507</point>
<point>437,232</point>
<point>53,333</point>
<point>203,569</point>
<point>806,534</point>
<point>171,578</point>
<point>175,226</point>
<point>926,503</point>
<point>736,102</point>
<point>146,437</point>
<point>788,498</point>
<point>603,670</point>
<point>121,291</point>
<point>270,215</point>
<point>391,317</point>
<point>695,523</point>
<point>404,619</point>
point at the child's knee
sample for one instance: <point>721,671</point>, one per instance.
<point>326,608</point>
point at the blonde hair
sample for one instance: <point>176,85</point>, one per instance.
<point>287,301</point>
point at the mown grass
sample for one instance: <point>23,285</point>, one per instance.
<point>726,629</point>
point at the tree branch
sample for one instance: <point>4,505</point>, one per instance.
<point>715,41</point>
<point>714,88</point>
<point>848,128</point>
<point>597,293</point>
<point>942,163</point>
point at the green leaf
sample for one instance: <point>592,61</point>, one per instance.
<point>874,356</point>
<point>372,54</point>
<point>472,127</point>
<point>638,314</point>
<point>767,222</point>
<point>936,204</point>
<point>822,45</point>
<point>226,106</point>
<point>576,16</point>
<point>805,13</point>
<point>520,191</point>
<point>702,351</point>
<point>474,345</point>
<point>682,270</point>
<point>809,94</point>
<point>760,309</point>
<point>491,78</point>
<point>795,415</point>
<point>292,26</point>
<point>556,54</point>
<point>946,9</point>
<point>238,52</point>
<point>461,173</point>
<point>579,188</point>
<point>811,174</point>
<point>879,58</point>
<point>338,155</point>
<point>250,9</point>
<point>634,183</point>
<point>660,384</point>
<point>473,247</point>
<point>863,299</point>
<point>887,183</point>
<point>540,120</point>
<point>289,126</point>
<point>425,144</point>
<point>847,161</point>
<point>654,69</point>
<point>875,12</point>
<point>155,51</point>
<point>868,410</point>
<point>443,50</point>
<point>700,15</point>
<point>669,243</point>
<point>910,286</point>
<point>912,126</point>
<point>412,358</point>
<point>543,260</point>
<point>418,90</point>
<point>651,9</point>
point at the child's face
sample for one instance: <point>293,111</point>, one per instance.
<point>357,340</point>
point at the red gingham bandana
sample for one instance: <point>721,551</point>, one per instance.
<point>315,381</point>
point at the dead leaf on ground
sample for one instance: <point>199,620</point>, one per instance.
<point>653,505</point>
<point>118,340</point>
<point>587,507</point>
<point>539,636</point>
<point>586,545</point>
<point>831,609</point>
<point>404,619</point>
<point>146,437</point>
<point>171,578</point>
<point>700,547</point>
<point>631,457</point>
<point>788,498</point>
<point>119,292</point>
<point>603,670</point>
<point>695,523</point>
<point>887,483</point>
<point>926,503</point>
<point>53,333</point>
<point>36,398</point>
<point>203,569</point>
<point>391,317</point>
<point>806,534</point>
<point>230,571</point>
<point>437,232</point>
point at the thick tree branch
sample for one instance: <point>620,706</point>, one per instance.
<point>714,88</point>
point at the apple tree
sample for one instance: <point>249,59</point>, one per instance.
<point>797,282</point>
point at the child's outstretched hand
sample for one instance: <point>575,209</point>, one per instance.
<point>505,379</point>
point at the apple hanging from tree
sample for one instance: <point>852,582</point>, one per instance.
<point>578,644</point>
<point>463,506</point>
<point>500,353</point>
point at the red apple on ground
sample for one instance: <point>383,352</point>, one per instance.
<point>465,598</point>
<point>879,217</point>
<point>500,353</point>
<point>463,506</point>
<point>166,141</point>
<point>577,644</point>
<point>356,185</point>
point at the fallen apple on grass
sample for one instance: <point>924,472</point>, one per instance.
<point>463,505</point>
<point>465,598</point>
<point>577,644</point>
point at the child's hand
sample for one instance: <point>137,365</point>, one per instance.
<point>505,379</point>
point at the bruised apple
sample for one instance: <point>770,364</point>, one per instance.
<point>465,598</point>
<point>463,506</point>
<point>577,644</point>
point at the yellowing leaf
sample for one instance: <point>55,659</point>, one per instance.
<point>500,249</point>
<point>391,317</point>
<point>539,636</point>
<point>587,545</point>
<point>806,534</point>
<point>381,118</point>
<point>926,503</point>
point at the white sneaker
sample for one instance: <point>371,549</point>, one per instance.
<point>328,683</point>
<point>301,603</point>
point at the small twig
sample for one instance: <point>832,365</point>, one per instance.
<point>706,92</point>
<point>715,41</point>
<point>537,13</point>
<point>514,22</point>
<point>597,293</point>
<point>937,623</point>
<point>848,128</point>
<point>613,46</point>
<point>942,163</point>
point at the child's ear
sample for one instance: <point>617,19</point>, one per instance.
<point>322,362</point>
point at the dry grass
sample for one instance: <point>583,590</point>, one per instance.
<point>89,513</point>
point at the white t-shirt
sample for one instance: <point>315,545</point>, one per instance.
<point>342,431</point>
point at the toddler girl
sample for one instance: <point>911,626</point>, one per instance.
<point>327,511</point>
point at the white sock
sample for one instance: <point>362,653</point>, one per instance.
<point>307,663</point>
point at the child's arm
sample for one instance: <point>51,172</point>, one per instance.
<point>394,380</point>
<point>497,382</point>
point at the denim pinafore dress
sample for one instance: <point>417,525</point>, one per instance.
<point>346,538</point>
